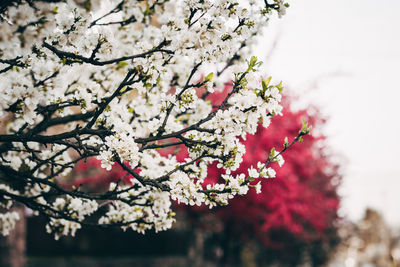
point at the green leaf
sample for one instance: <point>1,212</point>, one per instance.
<point>123,89</point>
<point>253,61</point>
<point>265,83</point>
<point>286,142</point>
<point>305,129</point>
<point>304,124</point>
<point>209,77</point>
<point>122,64</point>
<point>272,153</point>
<point>279,86</point>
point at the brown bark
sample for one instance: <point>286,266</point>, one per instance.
<point>196,251</point>
<point>12,247</point>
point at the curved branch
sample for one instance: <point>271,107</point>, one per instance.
<point>75,58</point>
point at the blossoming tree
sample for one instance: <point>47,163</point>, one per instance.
<point>119,80</point>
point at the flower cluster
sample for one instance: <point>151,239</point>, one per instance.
<point>151,209</point>
<point>120,81</point>
<point>7,222</point>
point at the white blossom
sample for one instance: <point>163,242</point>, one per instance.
<point>253,173</point>
<point>8,221</point>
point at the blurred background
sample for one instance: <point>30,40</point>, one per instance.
<point>344,57</point>
<point>335,201</point>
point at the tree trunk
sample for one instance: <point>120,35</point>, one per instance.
<point>196,251</point>
<point>12,247</point>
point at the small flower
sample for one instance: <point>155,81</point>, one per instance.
<point>258,187</point>
<point>253,173</point>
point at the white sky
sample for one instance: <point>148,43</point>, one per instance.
<point>344,56</point>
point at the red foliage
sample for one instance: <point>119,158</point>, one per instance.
<point>302,200</point>
<point>89,176</point>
